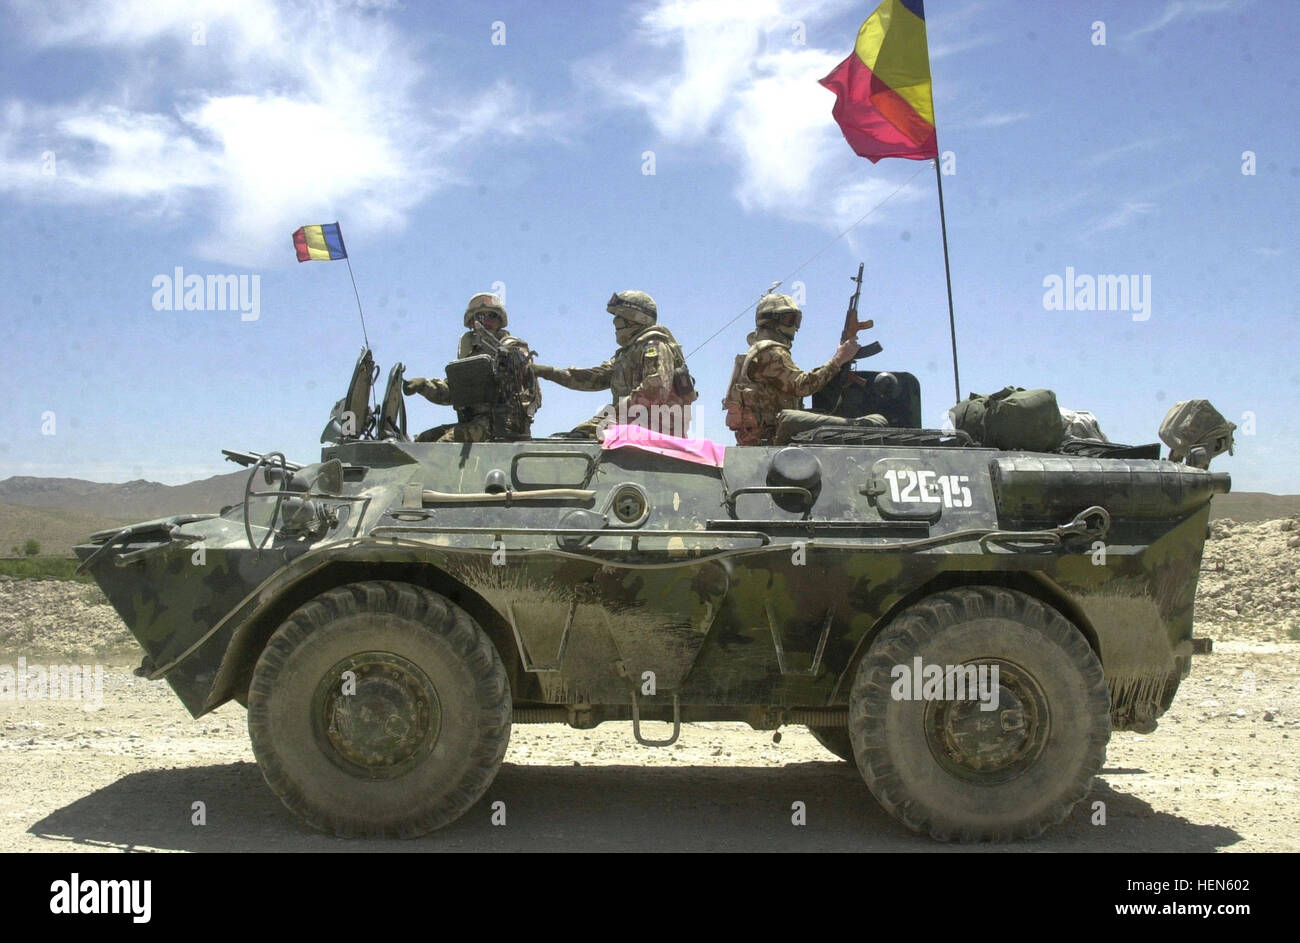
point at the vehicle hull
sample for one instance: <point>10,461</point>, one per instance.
<point>727,597</point>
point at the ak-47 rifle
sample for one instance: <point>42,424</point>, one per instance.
<point>851,328</point>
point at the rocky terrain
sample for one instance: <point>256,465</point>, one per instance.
<point>1249,588</point>
<point>61,619</point>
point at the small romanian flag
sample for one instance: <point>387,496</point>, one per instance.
<point>321,243</point>
<point>883,99</point>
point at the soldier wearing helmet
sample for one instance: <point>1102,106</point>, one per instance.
<point>647,375</point>
<point>518,393</point>
<point>765,379</point>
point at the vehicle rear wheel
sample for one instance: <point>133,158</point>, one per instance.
<point>379,709</point>
<point>835,739</point>
<point>945,766</point>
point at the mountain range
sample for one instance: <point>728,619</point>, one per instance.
<point>60,513</point>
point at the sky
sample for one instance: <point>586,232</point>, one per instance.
<point>560,152</point>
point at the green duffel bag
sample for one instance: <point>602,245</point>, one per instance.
<point>1012,418</point>
<point>968,416</point>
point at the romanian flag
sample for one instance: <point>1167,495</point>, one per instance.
<point>321,243</point>
<point>883,100</point>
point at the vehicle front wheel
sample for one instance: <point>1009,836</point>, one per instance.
<point>379,709</point>
<point>1002,762</point>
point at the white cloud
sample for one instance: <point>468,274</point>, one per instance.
<point>780,123</point>
<point>868,194</point>
<point>718,42</point>
<point>728,75</point>
<point>293,113</point>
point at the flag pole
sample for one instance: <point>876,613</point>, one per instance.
<point>348,259</point>
<point>374,402</point>
<point>947,272</point>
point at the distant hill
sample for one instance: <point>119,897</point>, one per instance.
<point>1254,506</point>
<point>137,500</point>
<point>57,530</point>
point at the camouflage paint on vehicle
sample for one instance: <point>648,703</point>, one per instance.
<point>743,604</point>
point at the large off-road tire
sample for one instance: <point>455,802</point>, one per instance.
<point>950,769</point>
<point>379,709</point>
<point>835,739</point>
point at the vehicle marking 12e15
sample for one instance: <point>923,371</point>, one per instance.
<point>918,487</point>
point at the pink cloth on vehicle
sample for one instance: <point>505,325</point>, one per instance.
<point>699,451</point>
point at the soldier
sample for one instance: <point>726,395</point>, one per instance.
<point>765,379</point>
<point>519,396</point>
<point>647,374</point>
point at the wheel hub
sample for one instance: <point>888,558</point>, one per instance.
<point>990,746</point>
<point>378,714</point>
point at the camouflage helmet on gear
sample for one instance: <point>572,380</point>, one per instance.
<point>485,303</point>
<point>774,310</point>
<point>636,306</point>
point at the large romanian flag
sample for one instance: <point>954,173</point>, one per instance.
<point>319,243</point>
<point>883,100</point>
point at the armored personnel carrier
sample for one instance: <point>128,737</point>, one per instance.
<point>966,624</point>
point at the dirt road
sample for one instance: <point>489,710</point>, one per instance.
<point>1215,776</point>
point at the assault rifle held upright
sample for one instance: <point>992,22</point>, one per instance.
<point>851,323</point>
<point>851,328</point>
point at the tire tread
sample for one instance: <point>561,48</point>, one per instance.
<point>909,632</point>
<point>440,617</point>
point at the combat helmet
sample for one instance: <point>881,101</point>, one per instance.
<point>636,311</point>
<point>485,303</point>
<point>778,312</point>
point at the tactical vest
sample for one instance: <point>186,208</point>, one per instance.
<point>751,409</point>
<point>627,366</point>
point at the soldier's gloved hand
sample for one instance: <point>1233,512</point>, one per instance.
<point>414,385</point>
<point>543,371</point>
<point>845,352</point>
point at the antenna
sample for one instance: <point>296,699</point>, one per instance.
<point>358,297</point>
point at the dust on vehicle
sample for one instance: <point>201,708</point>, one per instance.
<point>967,624</point>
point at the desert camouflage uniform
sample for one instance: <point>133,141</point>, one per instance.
<point>766,391</point>
<point>767,382</point>
<point>639,374</point>
<point>475,423</point>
